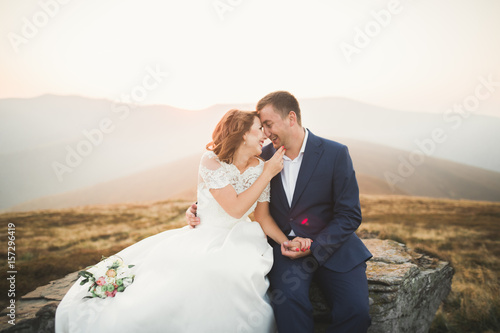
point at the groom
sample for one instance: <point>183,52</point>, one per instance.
<point>315,196</point>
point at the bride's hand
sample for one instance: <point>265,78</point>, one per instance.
<point>296,248</point>
<point>191,219</point>
<point>275,164</point>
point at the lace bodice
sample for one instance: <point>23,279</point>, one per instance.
<point>214,174</point>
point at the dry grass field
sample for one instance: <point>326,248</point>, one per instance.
<point>52,243</point>
<point>466,233</point>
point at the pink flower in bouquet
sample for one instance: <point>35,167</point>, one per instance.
<point>101,281</point>
<point>104,280</point>
<point>111,273</point>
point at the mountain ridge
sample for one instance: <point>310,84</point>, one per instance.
<point>371,162</point>
<point>41,133</point>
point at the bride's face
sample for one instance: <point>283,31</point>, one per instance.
<point>255,137</point>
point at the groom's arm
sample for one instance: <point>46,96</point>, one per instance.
<point>346,209</point>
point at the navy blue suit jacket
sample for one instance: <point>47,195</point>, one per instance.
<point>325,205</point>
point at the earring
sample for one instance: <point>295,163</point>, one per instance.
<point>244,142</point>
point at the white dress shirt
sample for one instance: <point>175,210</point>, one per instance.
<point>290,172</point>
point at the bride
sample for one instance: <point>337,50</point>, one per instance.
<point>208,279</point>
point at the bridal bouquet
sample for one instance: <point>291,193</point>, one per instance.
<point>107,278</point>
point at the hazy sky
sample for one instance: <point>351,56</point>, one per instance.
<point>421,55</point>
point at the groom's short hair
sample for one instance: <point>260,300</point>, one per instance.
<point>283,102</point>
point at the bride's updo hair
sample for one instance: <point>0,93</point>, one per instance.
<point>228,134</point>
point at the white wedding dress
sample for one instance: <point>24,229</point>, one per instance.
<point>208,279</point>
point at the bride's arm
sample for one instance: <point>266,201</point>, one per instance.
<point>268,224</point>
<point>236,204</point>
<point>271,229</point>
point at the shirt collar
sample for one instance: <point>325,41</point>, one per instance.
<point>303,148</point>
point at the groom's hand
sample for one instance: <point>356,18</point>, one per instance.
<point>191,218</point>
<point>305,243</point>
<point>288,249</point>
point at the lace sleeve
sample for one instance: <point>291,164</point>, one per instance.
<point>212,172</point>
<point>266,194</point>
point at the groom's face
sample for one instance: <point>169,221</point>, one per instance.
<point>275,128</point>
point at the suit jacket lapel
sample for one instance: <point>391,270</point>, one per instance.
<point>312,154</point>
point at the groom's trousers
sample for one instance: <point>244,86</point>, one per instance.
<point>346,294</point>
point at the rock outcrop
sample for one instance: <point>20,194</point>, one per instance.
<point>36,310</point>
<point>406,289</point>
